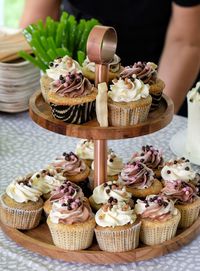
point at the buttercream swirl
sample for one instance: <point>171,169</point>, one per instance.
<point>180,191</point>
<point>115,213</point>
<point>156,208</point>
<point>66,189</point>
<point>61,67</point>
<point>147,72</point>
<point>128,90</point>
<point>179,169</point>
<point>69,163</point>
<point>69,211</point>
<point>21,190</point>
<point>149,156</point>
<point>194,94</point>
<point>137,175</point>
<point>73,85</point>
<point>114,189</point>
<point>85,149</point>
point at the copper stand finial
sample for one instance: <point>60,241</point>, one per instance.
<point>101,47</point>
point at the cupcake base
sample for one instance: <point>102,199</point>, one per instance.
<point>156,93</point>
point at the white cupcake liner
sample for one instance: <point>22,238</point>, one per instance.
<point>188,215</point>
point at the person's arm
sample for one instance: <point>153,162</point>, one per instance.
<point>39,9</point>
<point>180,60</point>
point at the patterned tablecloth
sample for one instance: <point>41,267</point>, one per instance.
<point>26,147</point>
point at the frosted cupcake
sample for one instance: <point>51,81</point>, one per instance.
<point>117,227</point>
<point>147,72</point>
<point>71,223</point>
<point>128,102</point>
<point>103,192</point>
<point>67,189</point>
<point>139,180</point>
<point>58,69</point>
<point>114,68</point>
<point>151,157</point>
<point>21,205</point>
<point>72,98</point>
<point>159,219</point>
<point>85,151</point>
<point>178,169</point>
<point>186,200</point>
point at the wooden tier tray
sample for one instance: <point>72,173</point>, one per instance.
<point>39,240</point>
<point>40,112</point>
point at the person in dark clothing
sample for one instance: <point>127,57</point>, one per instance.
<point>164,32</point>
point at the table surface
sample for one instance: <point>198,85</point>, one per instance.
<point>26,147</point>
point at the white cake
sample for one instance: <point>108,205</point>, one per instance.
<point>193,128</point>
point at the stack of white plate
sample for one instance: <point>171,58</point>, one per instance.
<point>18,81</point>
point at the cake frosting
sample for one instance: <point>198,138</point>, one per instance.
<point>128,90</point>
<point>155,207</point>
<point>150,156</point>
<point>178,169</point>
<point>109,189</point>
<point>115,213</point>
<point>21,190</point>
<point>193,127</point>
<point>69,211</point>
<point>137,175</point>
<point>85,149</point>
<point>61,67</point>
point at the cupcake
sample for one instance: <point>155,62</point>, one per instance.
<point>117,227</point>
<point>139,180</point>
<point>151,157</point>
<point>85,151</point>
<point>178,169</point>
<point>71,223</point>
<point>21,204</point>
<point>46,180</point>
<point>128,102</point>
<point>159,219</point>
<point>114,68</point>
<point>72,98</point>
<point>103,192</point>
<point>67,189</point>
<point>186,200</point>
<point>58,69</point>
<point>147,72</point>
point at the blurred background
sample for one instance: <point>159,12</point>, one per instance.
<point>10,12</point>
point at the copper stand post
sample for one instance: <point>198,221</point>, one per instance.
<point>101,47</point>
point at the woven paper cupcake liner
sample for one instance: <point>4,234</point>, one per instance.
<point>154,233</point>
<point>19,219</point>
<point>76,114</point>
<point>156,98</point>
<point>118,116</point>
<point>188,215</point>
<point>118,241</point>
<point>76,238</point>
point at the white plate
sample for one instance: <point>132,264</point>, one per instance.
<point>177,145</point>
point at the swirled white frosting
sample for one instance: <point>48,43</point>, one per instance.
<point>60,67</point>
<point>85,149</point>
<point>128,91</point>
<point>178,169</point>
<point>117,215</point>
<point>114,164</point>
<point>21,192</point>
<point>194,94</point>
<point>109,189</point>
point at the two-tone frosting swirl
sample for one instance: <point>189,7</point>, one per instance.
<point>69,211</point>
<point>180,191</point>
<point>155,207</point>
<point>109,189</point>
<point>128,90</point>
<point>178,169</point>
<point>149,156</point>
<point>61,67</point>
<point>115,213</point>
<point>85,149</point>
<point>21,190</point>
<point>147,72</point>
<point>137,175</point>
<point>69,163</point>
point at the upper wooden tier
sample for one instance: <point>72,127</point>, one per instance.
<point>40,112</point>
